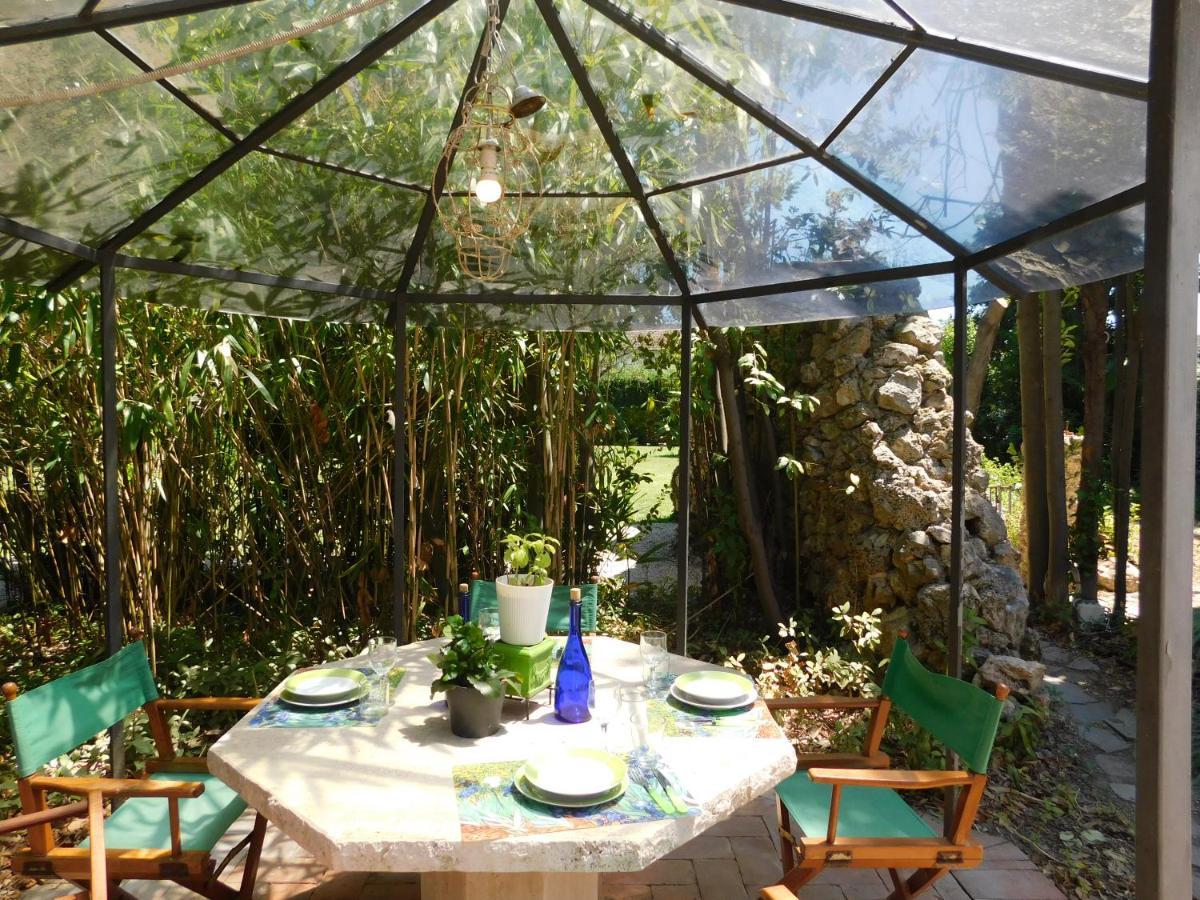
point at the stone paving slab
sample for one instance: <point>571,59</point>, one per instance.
<point>733,860</point>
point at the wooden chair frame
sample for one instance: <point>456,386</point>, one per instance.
<point>804,857</point>
<point>99,871</point>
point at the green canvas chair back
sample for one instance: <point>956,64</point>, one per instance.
<point>558,620</point>
<point>959,714</point>
<point>57,717</point>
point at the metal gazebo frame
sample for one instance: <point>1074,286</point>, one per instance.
<point>1171,195</point>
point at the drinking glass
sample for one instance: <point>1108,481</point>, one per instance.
<point>381,654</point>
<point>489,621</point>
<point>634,728</point>
<point>656,664</point>
<point>605,708</point>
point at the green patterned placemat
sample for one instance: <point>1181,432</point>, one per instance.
<point>681,720</point>
<point>275,713</point>
<point>489,807</point>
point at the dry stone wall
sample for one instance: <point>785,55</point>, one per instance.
<point>875,505</point>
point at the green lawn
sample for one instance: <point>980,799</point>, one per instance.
<point>654,499</point>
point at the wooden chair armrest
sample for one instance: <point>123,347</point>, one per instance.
<point>236,704</point>
<point>776,892</point>
<point>822,702</point>
<point>44,816</point>
<point>118,787</point>
<point>898,779</point>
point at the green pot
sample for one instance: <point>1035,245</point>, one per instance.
<point>472,715</point>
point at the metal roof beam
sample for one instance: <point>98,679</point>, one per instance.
<point>24,232</point>
<point>1116,203</point>
<point>264,131</point>
<point>600,114</point>
<point>1095,79</point>
<point>825,282</point>
<point>729,173</point>
<point>45,29</point>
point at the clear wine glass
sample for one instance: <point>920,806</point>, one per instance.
<point>489,621</point>
<point>381,654</point>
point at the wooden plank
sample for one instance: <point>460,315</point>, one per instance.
<point>73,862</point>
<point>112,787</point>
<point>1164,695</point>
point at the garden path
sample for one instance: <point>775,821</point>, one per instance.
<point>730,861</point>
<point>1107,721</point>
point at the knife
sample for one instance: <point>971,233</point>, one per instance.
<point>681,808</point>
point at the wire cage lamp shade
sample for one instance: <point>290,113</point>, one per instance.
<point>494,179</point>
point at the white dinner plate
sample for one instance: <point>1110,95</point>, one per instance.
<point>325,704</point>
<point>699,704</point>
<point>717,688</point>
<point>578,773</point>
<point>521,783</point>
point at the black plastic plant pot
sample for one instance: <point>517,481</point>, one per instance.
<point>472,715</point>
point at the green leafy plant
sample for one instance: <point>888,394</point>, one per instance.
<point>849,668</point>
<point>469,660</point>
<point>529,558</point>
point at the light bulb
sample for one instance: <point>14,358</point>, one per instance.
<point>488,188</point>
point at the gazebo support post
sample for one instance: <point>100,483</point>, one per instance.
<point>1164,680</point>
<point>958,496</point>
<point>114,614</point>
<point>399,466</point>
<point>683,530</point>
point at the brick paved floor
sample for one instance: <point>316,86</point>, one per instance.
<point>730,861</point>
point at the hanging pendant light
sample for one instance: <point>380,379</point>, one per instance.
<point>493,178</point>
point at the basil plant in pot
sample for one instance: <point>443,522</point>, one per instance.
<point>472,677</point>
<point>523,594</point>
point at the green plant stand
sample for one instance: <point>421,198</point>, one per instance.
<point>534,668</point>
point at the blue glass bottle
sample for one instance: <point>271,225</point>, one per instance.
<point>464,602</point>
<point>573,685</point>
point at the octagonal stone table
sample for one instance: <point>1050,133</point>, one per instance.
<point>381,798</point>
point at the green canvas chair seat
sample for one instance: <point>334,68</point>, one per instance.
<point>144,822</point>
<point>558,620</point>
<point>864,812</point>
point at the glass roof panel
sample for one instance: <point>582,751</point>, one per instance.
<point>284,218</point>
<point>905,297</point>
<point>572,151</point>
<point>986,153</point>
<point>392,119</point>
<point>78,168</point>
<point>545,315</point>
<point>1103,34</point>
<point>217,295</point>
<point>672,127</point>
<point>585,246</point>
<point>784,223</point>
<point>869,9</point>
<point>25,12</point>
<point>809,75</point>
<point>1109,246</point>
<point>245,90</point>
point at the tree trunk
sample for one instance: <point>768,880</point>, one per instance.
<point>1089,509</point>
<point>745,491</point>
<point>1127,353</point>
<point>1057,561</point>
<point>986,330</point>
<point>1033,446</point>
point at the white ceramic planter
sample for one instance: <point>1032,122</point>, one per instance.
<point>523,611</point>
